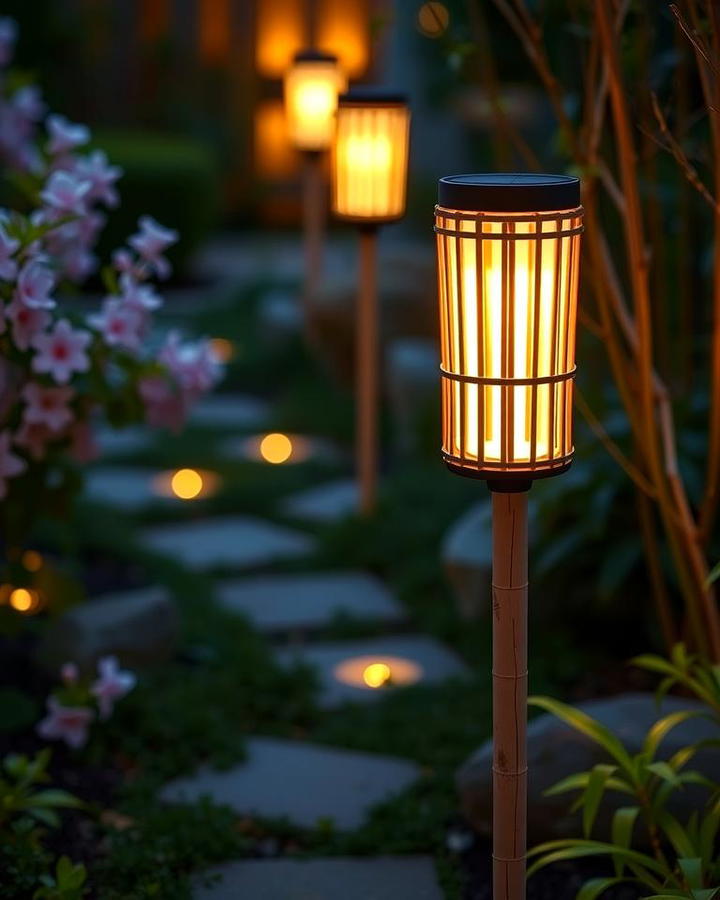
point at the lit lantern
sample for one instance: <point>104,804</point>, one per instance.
<point>508,251</point>
<point>369,187</point>
<point>508,254</point>
<point>370,157</point>
<point>312,85</point>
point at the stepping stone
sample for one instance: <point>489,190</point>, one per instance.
<point>127,488</point>
<point>304,783</point>
<point>326,503</point>
<point>123,441</point>
<point>414,659</point>
<point>230,411</point>
<point>235,542</point>
<point>292,602</point>
<point>374,878</point>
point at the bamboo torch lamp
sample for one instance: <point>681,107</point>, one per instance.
<point>508,259</point>
<point>369,185</point>
<point>312,85</point>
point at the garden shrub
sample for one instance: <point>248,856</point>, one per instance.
<point>173,179</point>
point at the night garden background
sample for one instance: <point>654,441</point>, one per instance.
<point>218,679</point>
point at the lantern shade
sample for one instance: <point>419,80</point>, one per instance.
<point>508,262</point>
<point>311,88</point>
<point>370,157</point>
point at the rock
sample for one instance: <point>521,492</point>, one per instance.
<point>407,300</point>
<point>413,381</point>
<point>280,316</point>
<point>324,504</point>
<point>373,878</point>
<point>555,751</point>
<point>139,627</point>
<point>304,783</point>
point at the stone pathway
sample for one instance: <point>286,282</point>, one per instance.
<point>305,783</point>
<point>128,488</point>
<point>378,878</point>
<point>231,542</point>
<point>325,504</point>
<point>230,411</point>
<point>117,442</point>
<point>417,658</point>
<point>275,603</point>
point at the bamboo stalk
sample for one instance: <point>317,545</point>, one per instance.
<point>366,364</point>
<point>510,676</point>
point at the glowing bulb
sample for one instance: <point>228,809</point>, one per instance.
<point>376,674</point>
<point>369,154</point>
<point>223,349</point>
<point>276,448</point>
<point>23,600</point>
<point>32,561</point>
<point>186,484</point>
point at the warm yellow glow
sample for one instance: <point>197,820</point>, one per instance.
<point>275,156</point>
<point>512,320</point>
<point>32,561</point>
<point>276,448</point>
<point>187,484</point>
<point>214,30</point>
<point>370,157</point>
<point>24,600</point>
<point>433,19</point>
<point>223,349</point>
<point>311,91</point>
<point>343,29</point>
<point>280,34</point>
<point>377,674</point>
<point>374,672</point>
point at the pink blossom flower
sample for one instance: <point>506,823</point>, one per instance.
<point>34,284</point>
<point>8,36</point>
<point>8,246</point>
<point>61,352</point>
<point>112,684</point>
<point>119,323</point>
<point>194,365</point>
<point>151,242</point>
<point>27,321</point>
<point>165,407</point>
<point>124,262</point>
<point>83,446</point>
<point>101,175</point>
<point>64,135</point>
<point>139,296</point>
<point>69,673</point>
<point>10,465</point>
<point>33,439</point>
<point>47,405</point>
<point>66,723</point>
<point>66,194</point>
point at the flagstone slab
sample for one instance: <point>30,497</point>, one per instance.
<point>325,503</point>
<point>125,487</point>
<point>123,441</point>
<point>373,878</point>
<point>307,601</point>
<point>417,659</point>
<point>233,542</point>
<point>304,783</point>
<point>230,411</point>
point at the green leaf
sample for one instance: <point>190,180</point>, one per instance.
<point>622,828</point>
<point>54,797</point>
<point>654,664</point>
<point>586,725</point>
<point>708,831</point>
<point>571,848</point>
<point>664,726</point>
<point>664,771</point>
<point>594,794</point>
<point>677,835</point>
<point>579,782</point>
<point>692,869</point>
<point>714,575</point>
<point>597,886</point>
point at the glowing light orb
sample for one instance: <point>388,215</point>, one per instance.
<point>223,349</point>
<point>276,448</point>
<point>187,484</point>
<point>32,561</point>
<point>24,600</point>
<point>377,674</point>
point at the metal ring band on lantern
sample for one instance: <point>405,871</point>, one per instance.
<point>509,236</point>
<point>509,382</point>
<point>498,217</point>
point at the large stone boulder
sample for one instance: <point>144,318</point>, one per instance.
<point>413,384</point>
<point>139,627</point>
<point>555,751</point>
<point>467,558</point>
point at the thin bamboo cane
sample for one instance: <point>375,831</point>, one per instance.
<point>314,215</point>
<point>510,590</point>
<point>366,363</point>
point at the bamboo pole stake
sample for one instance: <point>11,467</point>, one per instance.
<point>314,216</point>
<point>366,363</point>
<point>510,677</point>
